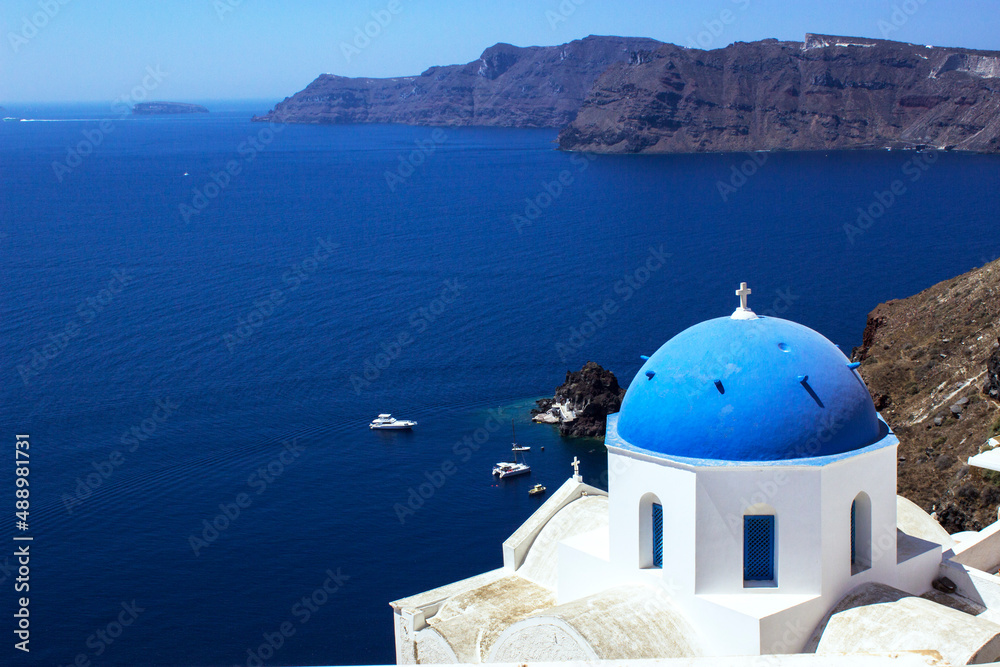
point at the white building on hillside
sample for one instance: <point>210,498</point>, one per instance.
<point>751,510</point>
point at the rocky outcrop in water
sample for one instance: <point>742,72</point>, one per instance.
<point>582,403</point>
<point>823,93</point>
<point>508,86</point>
<point>925,359</point>
<point>163,108</point>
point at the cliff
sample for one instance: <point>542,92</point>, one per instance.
<point>508,86</point>
<point>582,403</point>
<point>824,93</point>
<point>931,364</point>
<point>158,108</point>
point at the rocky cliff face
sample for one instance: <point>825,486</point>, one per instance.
<point>930,362</point>
<point>824,93</point>
<point>508,87</point>
<point>992,386</point>
<point>583,402</point>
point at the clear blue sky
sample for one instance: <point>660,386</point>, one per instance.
<point>91,50</point>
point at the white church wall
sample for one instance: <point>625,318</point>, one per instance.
<point>980,587</point>
<point>982,551</point>
<point>516,547</point>
<point>630,480</point>
<point>726,494</point>
<point>873,474</point>
<point>788,630</point>
<point>724,630</point>
<point>585,568</point>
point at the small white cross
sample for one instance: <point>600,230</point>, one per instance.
<point>743,292</point>
<point>576,468</point>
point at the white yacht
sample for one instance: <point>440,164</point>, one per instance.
<point>388,422</point>
<point>512,468</point>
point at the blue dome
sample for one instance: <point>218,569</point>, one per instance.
<point>762,389</point>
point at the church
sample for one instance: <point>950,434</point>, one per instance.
<point>751,510</point>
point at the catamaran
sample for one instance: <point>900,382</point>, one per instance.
<point>511,468</point>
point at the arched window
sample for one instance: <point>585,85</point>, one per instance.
<point>759,550</point>
<point>650,532</point>
<point>861,533</point>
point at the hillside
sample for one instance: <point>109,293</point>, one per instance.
<point>927,360</point>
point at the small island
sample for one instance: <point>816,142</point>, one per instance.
<point>160,108</point>
<point>582,403</point>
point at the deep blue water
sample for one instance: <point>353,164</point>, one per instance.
<point>250,332</point>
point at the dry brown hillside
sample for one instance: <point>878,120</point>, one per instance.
<point>925,360</point>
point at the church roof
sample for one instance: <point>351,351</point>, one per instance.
<point>620,623</point>
<point>876,617</point>
<point>748,388</point>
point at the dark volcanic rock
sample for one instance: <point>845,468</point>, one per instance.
<point>159,108</point>
<point>590,394</point>
<point>824,93</point>
<point>992,388</point>
<point>508,86</point>
<point>924,359</point>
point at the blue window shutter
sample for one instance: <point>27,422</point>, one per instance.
<point>854,551</point>
<point>758,548</point>
<point>657,535</point>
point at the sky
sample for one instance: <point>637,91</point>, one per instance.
<point>198,50</point>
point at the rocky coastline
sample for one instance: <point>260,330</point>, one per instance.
<point>508,86</point>
<point>636,95</point>
<point>581,404</point>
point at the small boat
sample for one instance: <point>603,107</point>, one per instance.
<point>536,490</point>
<point>388,422</point>
<point>511,468</point>
<point>522,449</point>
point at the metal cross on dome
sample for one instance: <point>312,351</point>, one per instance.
<point>576,467</point>
<point>743,292</point>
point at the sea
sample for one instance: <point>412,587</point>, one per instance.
<point>200,316</point>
